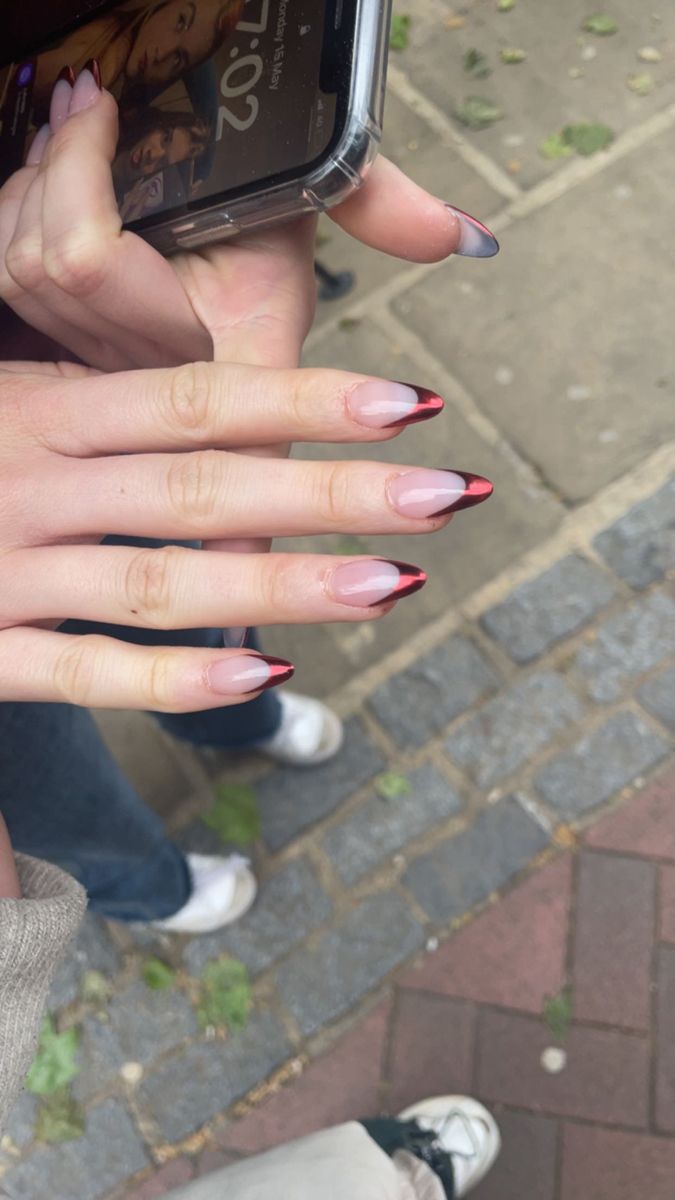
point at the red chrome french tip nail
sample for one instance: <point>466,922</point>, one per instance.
<point>280,672</point>
<point>410,580</point>
<point>429,404</point>
<point>93,66</point>
<point>68,74</point>
<point>477,490</point>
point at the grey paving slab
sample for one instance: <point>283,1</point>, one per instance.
<point>204,1079</point>
<point>600,764</point>
<point>93,950</point>
<point>640,546</point>
<point>87,1169</point>
<point>291,799</point>
<point>569,354</point>
<point>626,645</point>
<point>382,825</point>
<point>475,547</point>
<point>319,984</point>
<point>140,1025</point>
<point>549,608</point>
<point>539,96</point>
<point>418,702</point>
<point>507,731</point>
<point>658,696</point>
<point>289,905</point>
<point>21,1120</point>
<point>464,869</point>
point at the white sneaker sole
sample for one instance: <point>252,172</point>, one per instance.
<point>437,1107</point>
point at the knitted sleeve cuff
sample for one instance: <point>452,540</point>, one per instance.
<point>34,933</point>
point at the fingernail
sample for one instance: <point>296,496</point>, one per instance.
<point>38,146</point>
<point>94,67</point>
<point>429,493</point>
<point>60,102</point>
<point>367,582</point>
<point>68,74</point>
<point>85,93</point>
<point>380,405</point>
<point>475,239</point>
<point>245,673</point>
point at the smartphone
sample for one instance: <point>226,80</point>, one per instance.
<point>234,114</point>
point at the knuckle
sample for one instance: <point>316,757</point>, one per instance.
<point>190,402</point>
<point>194,483</point>
<point>159,685</point>
<point>149,585</point>
<point>275,588</point>
<point>335,492</point>
<point>76,262</point>
<point>24,264</point>
<point>75,669</point>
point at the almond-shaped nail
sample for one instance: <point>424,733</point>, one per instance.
<point>68,74</point>
<point>85,93</point>
<point>93,66</point>
<point>431,493</point>
<point>38,146</point>
<point>59,106</point>
<point>367,582</point>
<point>475,239</point>
<point>378,404</point>
<point>242,674</point>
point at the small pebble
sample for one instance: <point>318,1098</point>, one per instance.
<point>432,945</point>
<point>553,1060</point>
<point>588,53</point>
<point>649,54</point>
<point>131,1072</point>
<point>608,435</point>
<point>578,391</point>
<point>504,376</point>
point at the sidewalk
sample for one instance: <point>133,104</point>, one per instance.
<point>479,894</point>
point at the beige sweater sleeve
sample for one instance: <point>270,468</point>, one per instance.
<point>34,932</point>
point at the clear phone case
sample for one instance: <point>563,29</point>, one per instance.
<point>325,185</point>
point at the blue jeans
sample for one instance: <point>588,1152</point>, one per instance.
<point>66,800</point>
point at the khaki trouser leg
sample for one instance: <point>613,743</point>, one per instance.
<point>337,1164</point>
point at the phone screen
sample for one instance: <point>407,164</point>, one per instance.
<point>214,95</point>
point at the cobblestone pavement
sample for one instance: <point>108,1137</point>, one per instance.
<point>479,894</point>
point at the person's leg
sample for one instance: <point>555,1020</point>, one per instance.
<point>343,1163</point>
<point>66,800</point>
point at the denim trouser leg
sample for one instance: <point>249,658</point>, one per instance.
<point>66,800</point>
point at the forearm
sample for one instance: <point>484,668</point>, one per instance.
<point>34,932</point>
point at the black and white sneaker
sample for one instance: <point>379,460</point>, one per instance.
<point>459,1140</point>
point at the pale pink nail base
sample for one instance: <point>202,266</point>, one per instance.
<point>432,493</point>
<point>378,404</point>
<point>366,583</point>
<point>245,673</point>
<point>85,93</point>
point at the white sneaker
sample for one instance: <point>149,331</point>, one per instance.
<point>464,1133</point>
<point>309,734</point>
<point>223,889</point>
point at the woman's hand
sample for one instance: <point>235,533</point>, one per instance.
<point>82,454</point>
<point>69,270</point>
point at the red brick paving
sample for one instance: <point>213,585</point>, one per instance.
<point>665,1042</point>
<point>173,1175</point>
<point>604,1164</point>
<point>645,826</point>
<point>667,904</point>
<point>606,1077</point>
<point>616,911</point>
<point>469,1017</point>
<point>431,1048</point>
<point>527,1164</point>
<point>513,954</point>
